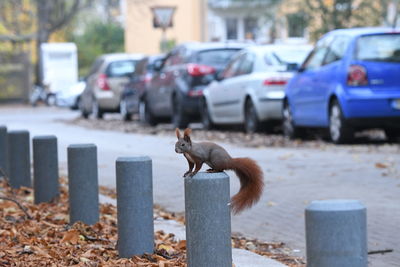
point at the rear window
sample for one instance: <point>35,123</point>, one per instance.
<point>216,57</point>
<point>121,68</point>
<point>383,47</point>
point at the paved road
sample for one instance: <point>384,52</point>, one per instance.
<point>294,177</point>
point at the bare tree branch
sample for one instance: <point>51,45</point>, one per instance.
<point>18,38</point>
<point>67,16</point>
<point>19,206</point>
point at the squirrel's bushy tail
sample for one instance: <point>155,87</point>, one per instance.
<point>251,183</point>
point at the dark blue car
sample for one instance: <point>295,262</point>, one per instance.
<point>349,82</point>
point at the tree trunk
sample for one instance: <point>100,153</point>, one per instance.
<point>43,34</point>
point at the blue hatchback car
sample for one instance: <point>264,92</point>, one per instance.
<point>350,81</point>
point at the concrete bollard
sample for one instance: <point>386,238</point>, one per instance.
<point>45,168</point>
<point>336,234</point>
<point>19,159</point>
<point>83,184</point>
<point>208,220</point>
<point>3,151</point>
<point>135,206</point>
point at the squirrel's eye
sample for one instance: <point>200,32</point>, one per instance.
<point>183,145</point>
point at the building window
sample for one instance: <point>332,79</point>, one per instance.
<point>250,28</point>
<point>297,23</point>
<point>231,28</point>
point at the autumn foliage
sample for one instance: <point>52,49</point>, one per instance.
<point>46,238</point>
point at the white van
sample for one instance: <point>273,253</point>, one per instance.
<point>60,67</point>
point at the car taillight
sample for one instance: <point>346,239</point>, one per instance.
<point>357,75</point>
<point>274,81</point>
<point>199,70</point>
<point>147,78</point>
<point>102,82</point>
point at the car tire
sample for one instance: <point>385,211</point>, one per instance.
<point>97,113</point>
<point>251,121</point>
<point>179,118</point>
<point>51,100</point>
<point>123,108</point>
<point>392,135</point>
<point>339,130</point>
<point>145,115</point>
<point>205,117</point>
<point>82,109</point>
<point>290,130</point>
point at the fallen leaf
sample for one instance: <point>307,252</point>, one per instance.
<point>72,236</point>
<point>181,244</point>
<point>381,165</point>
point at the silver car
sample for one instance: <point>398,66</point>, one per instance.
<point>105,83</point>
<point>250,90</point>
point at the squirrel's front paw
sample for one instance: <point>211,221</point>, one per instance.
<point>187,173</point>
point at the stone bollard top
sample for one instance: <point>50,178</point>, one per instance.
<point>209,176</point>
<point>134,159</point>
<point>82,146</point>
<point>44,137</point>
<point>335,205</point>
<point>18,132</point>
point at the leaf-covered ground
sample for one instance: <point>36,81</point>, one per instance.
<point>373,140</point>
<point>39,235</point>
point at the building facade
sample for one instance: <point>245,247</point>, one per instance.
<point>265,21</point>
<point>141,35</point>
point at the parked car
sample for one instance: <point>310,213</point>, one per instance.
<point>70,97</point>
<point>176,89</point>
<point>347,83</point>
<point>137,85</point>
<point>105,82</point>
<point>251,88</point>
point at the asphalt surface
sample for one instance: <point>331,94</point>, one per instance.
<point>294,177</point>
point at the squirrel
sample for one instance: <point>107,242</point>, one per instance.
<point>215,156</point>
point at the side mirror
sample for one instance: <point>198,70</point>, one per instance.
<point>219,76</point>
<point>158,64</point>
<point>301,69</point>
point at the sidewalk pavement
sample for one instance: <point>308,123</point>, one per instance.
<point>241,257</point>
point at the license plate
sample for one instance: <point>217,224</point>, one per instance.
<point>396,103</point>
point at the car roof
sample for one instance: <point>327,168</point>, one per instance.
<point>353,32</point>
<point>121,56</point>
<point>277,47</point>
<point>214,45</point>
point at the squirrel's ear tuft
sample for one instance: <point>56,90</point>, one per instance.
<point>186,135</point>
<point>178,134</point>
<point>187,132</point>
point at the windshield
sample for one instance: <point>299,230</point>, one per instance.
<point>217,57</point>
<point>382,47</point>
<point>285,56</point>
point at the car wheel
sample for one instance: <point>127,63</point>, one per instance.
<point>251,122</point>
<point>97,113</point>
<point>51,100</point>
<point>205,117</point>
<point>290,130</point>
<point>126,115</point>
<point>392,135</point>
<point>145,115</point>
<point>82,109</point>
<point>179,118</point>
<point>340,132</point>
